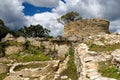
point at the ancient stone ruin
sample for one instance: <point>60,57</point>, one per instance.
<point>86,27</point>
<point>88,38</point>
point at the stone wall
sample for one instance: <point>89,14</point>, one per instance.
<point>86,27</point>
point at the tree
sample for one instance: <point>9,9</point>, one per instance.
<point>3,29</point>
<point>71,16</point>
<point>33,31</point>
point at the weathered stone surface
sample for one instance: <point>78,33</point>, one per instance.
<point>13,49</point>
<point>116,55</point>
<point>116,58</point>
<point>86,27</point>
<point>3,68</point>
<point>21,40</point>
<point>40,73</point>
<point>15,78</point>
<point>103,39</point>
<point>62,50</point>
<point>9,37</point>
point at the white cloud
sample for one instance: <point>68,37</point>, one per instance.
<point>108,9</point>
<point>11,13</point>
<point>43,3</point>
<point>47,20</point>
<point>115,26</point>
<point>61,8</point>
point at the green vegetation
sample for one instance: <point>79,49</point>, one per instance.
<point>2,76</point>
<point>2,51</point>
<point>71,70</point>
<point>3,29</point>
<point>107,70</point>
<point>98,48</point>
<point>29,55</point>
<point>33,31</point>
<point>14,43</point>
<point>33,65</point>
<point>70,16</point>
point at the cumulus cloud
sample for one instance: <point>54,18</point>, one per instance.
<point>115,26</point>
<point>108,9</point>
<point>11,13</point>
<point>43,3</point>
<point>47,20</point>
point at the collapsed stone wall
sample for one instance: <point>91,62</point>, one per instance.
<point>55,47</point>
<point>86,27</point>
<point>87,63</point>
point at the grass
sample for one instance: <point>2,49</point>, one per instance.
<point>34,65</point>
<point>107,70</point>
<point>14,43</point>
<point>29,55</point>
<point>71,70</point>
<point>2,76</point>
<point>98,48</point>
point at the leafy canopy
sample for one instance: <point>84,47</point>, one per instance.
<point>33,31</point>
<point>71,16</point>
<point>3,29</point>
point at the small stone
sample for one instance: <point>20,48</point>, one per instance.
<point>64,77</point>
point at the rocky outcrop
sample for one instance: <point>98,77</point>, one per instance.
<point>21,40</point>
<point>116,58</point>
<point>8,37</point>
<point>103,39</point>
<point>86,27</point>
<point>3,68</point>
<point>14,49</point>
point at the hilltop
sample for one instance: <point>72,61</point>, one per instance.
<point>87,51</point>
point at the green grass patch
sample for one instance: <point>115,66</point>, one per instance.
<point>71,70</point>
<point>14,43</point>
<point>29,55</point>
<point>98,48</point>
<point>33,65</point>
<point>2,76</point>
<point>107,70</point>
<point>32,51</point>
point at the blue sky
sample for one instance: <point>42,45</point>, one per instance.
<point>19,13</point>
<point>31,9</point>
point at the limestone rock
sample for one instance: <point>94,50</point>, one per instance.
<point>116,55</point>
<point>86,27</point>
<point>116,58</point>
<point>21,40</point>
<point>9,37</point>
<point>13,49</point>
<point>13,78</point>
<point>3,68</point>
<point>62,50</point>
